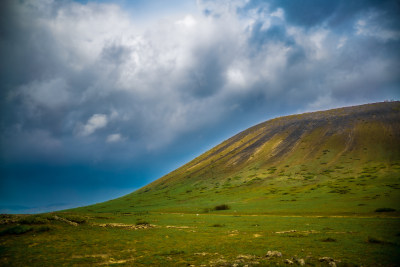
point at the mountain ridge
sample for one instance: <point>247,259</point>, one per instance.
<point>309,152</point>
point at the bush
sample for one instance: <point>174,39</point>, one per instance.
<point>385,210</point>
<point>222,207</point>
<point>16,230</point>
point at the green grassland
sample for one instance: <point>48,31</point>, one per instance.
<point>314,185</point>
<point>212,239</point>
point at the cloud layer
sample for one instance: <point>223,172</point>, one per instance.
<point>94,84</point>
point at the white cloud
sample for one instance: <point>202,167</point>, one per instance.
<point>97,121</point>
<point>318,40</point>
<point>279,13</point>
<point>188,22</point>
<point>113,138</point>
<point>236,77</point>
<point>371,26</point>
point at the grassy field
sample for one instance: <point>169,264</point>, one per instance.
<point>315,189</point>
<point>217,238</point>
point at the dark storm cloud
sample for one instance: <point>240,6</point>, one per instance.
<point>206,78</point>
<point>90,85</point>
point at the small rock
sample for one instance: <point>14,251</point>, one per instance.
<point>287,261</point>
<point>332,264</point>
<point>326,259</point>
<point>301,262</point>
<point>245,257</point>
<point>273,254</point>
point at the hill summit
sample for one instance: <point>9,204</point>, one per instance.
<point>339,161</point>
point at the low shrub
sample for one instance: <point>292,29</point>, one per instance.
<point>222,207</point>
<point>217,225</point>
<point>385,210</point>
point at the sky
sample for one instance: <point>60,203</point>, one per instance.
<point>99,98</point>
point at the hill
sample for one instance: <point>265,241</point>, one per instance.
<point>344,160</point>
<point>315,189</point>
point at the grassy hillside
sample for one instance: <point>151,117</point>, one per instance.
<point>315,189</point>
<point>338,161</point>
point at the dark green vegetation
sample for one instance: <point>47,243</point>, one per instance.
<point>315,185</point>
<point>222,207</point>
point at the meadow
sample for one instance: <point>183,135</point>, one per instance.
<point>216,238</point>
